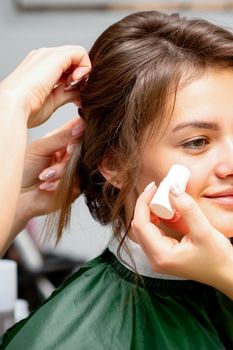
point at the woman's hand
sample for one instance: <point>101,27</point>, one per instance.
<point>45,80</point>
<point>203,254</point>
<point>44,164</point>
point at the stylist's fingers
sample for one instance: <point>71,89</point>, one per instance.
<point>142,211</point>
<point>67,126</point>
<point>33,81</point>
<point>78,75</point>
<point>49,186</point>
<point>56,99</point>
<point>145,232</point>
<point>59,139</point>
<point>157,247</point>
<point>66,57</point>
<point>48,65</point>
<point>197,223</point>
<point>73,58</point>
<point>56,171</point>
<point>53,173</point>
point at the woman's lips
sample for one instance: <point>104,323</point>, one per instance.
<point>226,200</point>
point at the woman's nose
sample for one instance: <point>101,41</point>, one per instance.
<point>224,160</point>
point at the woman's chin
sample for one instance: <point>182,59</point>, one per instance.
<point>222,220</point>
<point>226,229</point>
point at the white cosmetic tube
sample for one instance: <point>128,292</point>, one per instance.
<point>160,204</point>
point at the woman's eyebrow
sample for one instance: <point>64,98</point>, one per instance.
<point>198,124</point>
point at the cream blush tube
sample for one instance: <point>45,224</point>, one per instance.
<point>160,204</point>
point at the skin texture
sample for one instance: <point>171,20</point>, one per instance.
<point>206,149</point>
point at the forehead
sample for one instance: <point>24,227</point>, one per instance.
<point>203,96</point>
<point>206,98</point>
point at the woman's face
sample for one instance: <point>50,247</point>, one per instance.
<point>199,136</point>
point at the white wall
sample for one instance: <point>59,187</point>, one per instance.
<point>21,32</point>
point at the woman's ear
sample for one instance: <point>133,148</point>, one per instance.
<point>110,170</point>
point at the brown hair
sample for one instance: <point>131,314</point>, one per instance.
<point>137,65</point>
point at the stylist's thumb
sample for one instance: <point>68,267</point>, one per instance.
<point>197,224</point>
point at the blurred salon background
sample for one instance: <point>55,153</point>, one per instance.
<point>30,24</point>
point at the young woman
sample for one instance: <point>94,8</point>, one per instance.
<point>159,93</point>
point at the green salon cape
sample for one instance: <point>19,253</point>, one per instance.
<point>105,306</point>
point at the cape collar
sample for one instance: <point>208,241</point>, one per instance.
<point>140,259</point>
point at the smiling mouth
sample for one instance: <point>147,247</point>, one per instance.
<point>226,200</point>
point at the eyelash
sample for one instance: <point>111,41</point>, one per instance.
<point>190,145</point>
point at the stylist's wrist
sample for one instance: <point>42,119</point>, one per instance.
<point>12,98</point>
<point>25,211</point>
<point>22,215</point>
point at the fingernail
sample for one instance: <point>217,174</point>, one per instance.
<point>73,85</point>
<point>47,186</point>
<point>176,190</point>
<point>47,174</point>
<point>81,73</point>
<point>77,130</point>
<point>149,187</point>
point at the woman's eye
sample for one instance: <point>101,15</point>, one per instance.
<point>196,144</point>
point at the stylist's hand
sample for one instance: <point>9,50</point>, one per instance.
<point>44,164</point>
<point>203,254</point>
<point>39,84</point>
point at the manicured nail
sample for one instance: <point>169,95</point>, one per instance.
<point>149,187</point>
<point>81,73</point>
<point>72,86</point>
<point>47,186</point>
<point>176,190</point>
<point>47,174</point>
<point>77,130</point>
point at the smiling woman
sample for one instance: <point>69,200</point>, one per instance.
<point>159,93</point>
<point>200,136</point>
